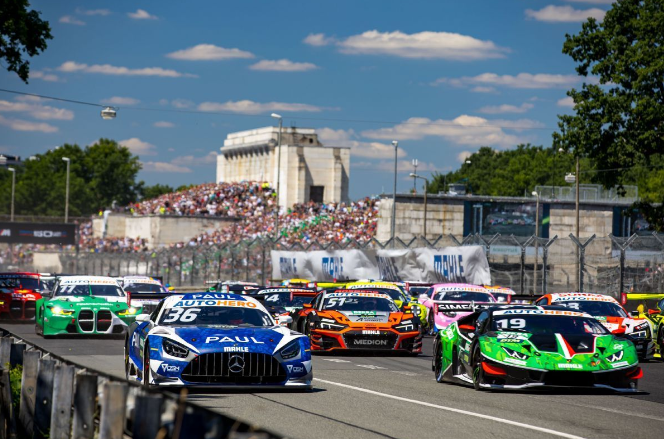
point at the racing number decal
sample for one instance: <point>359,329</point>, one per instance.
<point>272,298</point>
<point>182,315</point>
<point>334,301</point>
<point>511,323</point>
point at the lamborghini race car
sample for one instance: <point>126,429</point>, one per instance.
<point>215,340</point>
<point>401,299</point>
<point>449,302</point>
<point>19,293</point>
<point>610,313</point>
<point>144,292</point>
<point>362,320</point>
<point>90,305</point>
<point>524,346</point>
<point>650,307</point>
<point>283,302</point>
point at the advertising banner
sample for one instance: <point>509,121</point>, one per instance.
<point>467,264</point>
<point>37,233</point>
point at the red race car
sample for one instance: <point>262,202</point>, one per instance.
<point>18,294</point>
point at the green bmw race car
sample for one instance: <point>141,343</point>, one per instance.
<point>519,347</point>
<point>90,305</point>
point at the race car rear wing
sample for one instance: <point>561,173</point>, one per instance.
<point>449,306</point>
<point>525,298</point>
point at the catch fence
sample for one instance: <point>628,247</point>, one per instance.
<point>605,264</point>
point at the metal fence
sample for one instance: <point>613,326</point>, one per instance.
<point>607,264</point>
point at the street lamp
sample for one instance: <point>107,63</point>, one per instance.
<point>66,159</point>
<point>13,171</point>
<point>415,163</point>
<point>108,113</point>
<point>276,218</point>
<point>394,192</point>
<point>426,185</point>
<point>535,194</point>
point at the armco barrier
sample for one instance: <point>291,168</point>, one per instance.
<point>43,395</point>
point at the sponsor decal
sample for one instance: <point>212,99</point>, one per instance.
<point>547,312</point>
<point>370,332</point>
<point>88,281</point>
<point>229,303</point>
<point>368,319</point>
<point>384,296</point>
<point>514,361</point>
<point>334,266</point>
<point>387,267</point>
<point>213,296</point>
<point>236,339</point>
<point>288,266</point>
<point>569,366</point>
<point>168,368</point>
<point>620,364</point>
<point>370,342</point>
<point>449,267</point>
<point>6,232</point>
<point>511,337</point>
<point>236,349</point>
<point>295,369</point>
<point>363,313</point>
<point>43,233</point>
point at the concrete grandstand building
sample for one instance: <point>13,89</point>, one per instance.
<point>309,170</point>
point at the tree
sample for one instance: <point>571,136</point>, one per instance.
<point>149,192</point>
<point>21,31</point>
<point>619,122</point>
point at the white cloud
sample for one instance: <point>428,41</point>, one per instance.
<point>463,130</point>
<point>119,100</point>
<point>318,40</point>
<point>402,166</point>
<point>566,102</point>
<point>522,80</point>
<point>182,103</point>
<point>251,107</point>
<point>165,167</point>
<point>68,19</point>
<point>505,108</point>
<point>564,14</point>
<point>137,146</point>
<point>24,125</point>
<point>31,105</point>
<point>480,89</point>
<point>208,52</point>
<point>102,12</point>
<point>595,2</point>
<point>283,65</point>
<point>107,69</point>
<point>375,150</point>
<point>141,14</point>
<point>49,77</point>
<point>463,155</point>
<point>428,45</point>
<point>163,124</point>
<point>190,160</point>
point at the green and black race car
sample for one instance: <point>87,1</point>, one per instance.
<point>650,307</point>
<point>91,305</point>
<point>519,347</point>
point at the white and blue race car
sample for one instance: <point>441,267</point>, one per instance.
<point>215,340</point>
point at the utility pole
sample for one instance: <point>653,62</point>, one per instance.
<point>67,191</point>
<point>415,163</point>
<point>579,268</point>
<point>394,193</point>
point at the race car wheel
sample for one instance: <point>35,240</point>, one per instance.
<point>126,361</point>
<point>438,363</point>
<point>660,341</point>
<point>431,330</point>
<point>478,372</point>
<point>146,366</point>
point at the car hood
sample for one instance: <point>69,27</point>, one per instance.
<point>366,316</point>
<point>89,301</point>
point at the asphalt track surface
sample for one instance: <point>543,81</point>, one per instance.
<point>398,397</point>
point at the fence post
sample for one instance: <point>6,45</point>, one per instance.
<point>5,350</point>
<point>43,399</point>
<point>84,406</point>
<point>263,267</point>
<point>63,385</point>
<point>488,242</point>
<point>246,264</point>
<point>112,419</point>
<point>545,259</point>
<point>16,354</point>
<point>623,249</point>
<point>6,405</point>
<point>219,264</point>
<point>522,274</point>
<point>26,411</point>
<point>147,416</point>
<point>193,268</point>
<point>582,257</point>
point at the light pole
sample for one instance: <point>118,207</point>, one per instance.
<point>535,194</point>
<point>394,192</point>
<point>276,217</point>
<point>66,159</point>
<point>415,163</point>
<point>13,171</point>
<point>426,185</point>
<point>553,174</point>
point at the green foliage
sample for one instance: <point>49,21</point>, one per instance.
<point>21,31</point>
<point>99,175</point>
<point>15,379</point>
<point>149,192</point>
<point>184,187</point>
<point>619,122</point>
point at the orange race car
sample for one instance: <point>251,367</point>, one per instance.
<point>362,320</point>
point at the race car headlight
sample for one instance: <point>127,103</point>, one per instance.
<point>405,326</point>
<point>616,356</point>
<point>416,310</point>
<point>174,349</point>
<point>290,350</point>
<point>449,314</point>
<point>514,354</point>
<point>330,324</point>
<point>58,311</point>
<point>641,331</point>
<point>128,312</point>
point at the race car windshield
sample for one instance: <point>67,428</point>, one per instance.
<point>607,309</point>
<point>394,294</point>
<point>464,296</point>
<point>215,316</point>
<point>144,288</point>
<point>89,290</point>
<point>416,291</point>
<point>27,283</point>
<point>543,324</point>
<point>284,299</point>
<point>355,303</point>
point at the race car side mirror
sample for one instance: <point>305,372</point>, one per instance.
<point>467,328</point>
<point>307,305</point>
<point>285,320</point>
<point>653,311</point>
<point>143,318</point>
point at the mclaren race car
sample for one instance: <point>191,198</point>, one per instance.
<point>284,302</point>
<point>521,347</point>
<point>215,340</point>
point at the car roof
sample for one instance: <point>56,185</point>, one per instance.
<point>590,297</point>
<point>293,290</point>
<point>356,293</point>
<point>204,298</point>
<point>554,311</point>
<point>99,280</point>
<point>460,287</point>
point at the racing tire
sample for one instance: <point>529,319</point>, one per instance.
<point>438,363</point>
<point>145,381</point>
<point>39,330</point>
<point>478,372</point>
<point>431,329</point>
<point>660,341</point>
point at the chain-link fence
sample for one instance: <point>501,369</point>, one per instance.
<point>597,264</point>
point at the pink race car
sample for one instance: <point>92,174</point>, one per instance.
<point>447,303</point>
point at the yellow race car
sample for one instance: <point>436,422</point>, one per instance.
<point>649,306</point>
<point>397,294</point>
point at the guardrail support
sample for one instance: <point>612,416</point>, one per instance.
<point>43,399</point>
<point>147,416</point>
<point>26,413</point>
<point>84,406</point>
<point>63,386</point>
<point>582,257</point>
<point>111,422</point>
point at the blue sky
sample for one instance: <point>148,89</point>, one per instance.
<point>441,77</point>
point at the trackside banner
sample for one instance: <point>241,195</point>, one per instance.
<point>38,233</point>
<point>466,264</point>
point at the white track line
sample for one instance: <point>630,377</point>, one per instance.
<point>454,410</point>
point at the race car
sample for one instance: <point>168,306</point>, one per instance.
<point>293,282</point>
<point>215,340</point>
<point>283,302</point>
<point>525,346</point>
<point>362,320</point>
<point>397,294</point>
<point>501,294</point>
<point>144,293</point>
<point>650,307</point>
<point>90,305</point>
<point>233,286</point>
<point>449,302</point>
<point>610,313</point>
<point>19,293</point>
<point>416,289</point>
